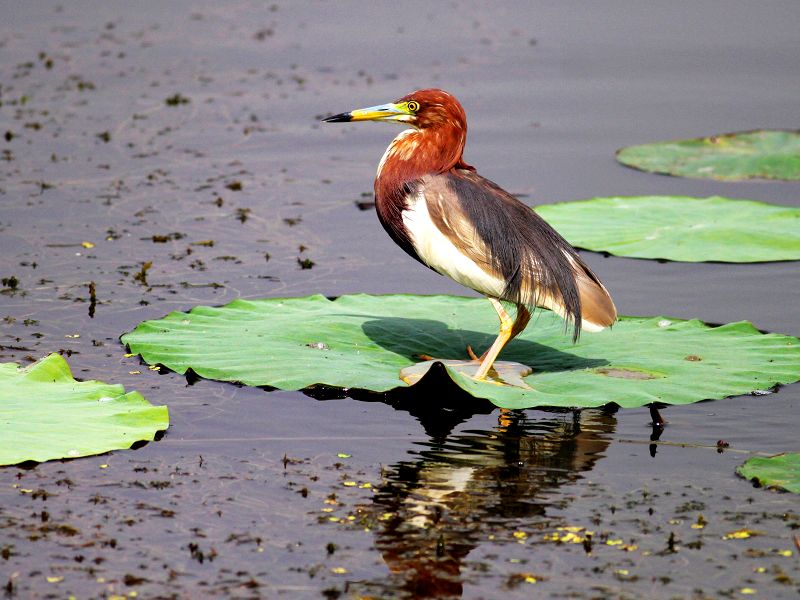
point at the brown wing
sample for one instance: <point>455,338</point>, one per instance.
<point>505,237</point>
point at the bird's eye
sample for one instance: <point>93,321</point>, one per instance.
<point>413,106</point>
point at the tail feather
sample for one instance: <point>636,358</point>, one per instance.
<point>597,307</point>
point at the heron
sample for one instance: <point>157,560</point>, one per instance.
<point>441,212</point>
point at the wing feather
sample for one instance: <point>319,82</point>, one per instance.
<point>511,243</point>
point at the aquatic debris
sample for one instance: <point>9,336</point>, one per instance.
<point>176,100</point>
<point>741,534</point>
<point>516,579</point>
<point>92,298</point>
<point>10,283</point>
<point>141,275</point>
<point>761,392</point>
<point>571,535</point>
<point>305,263</point>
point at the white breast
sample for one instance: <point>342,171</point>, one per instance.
<point>439,253</point>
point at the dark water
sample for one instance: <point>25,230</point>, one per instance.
<point>247,494</point>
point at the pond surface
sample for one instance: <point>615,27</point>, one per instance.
<point>171,154</point>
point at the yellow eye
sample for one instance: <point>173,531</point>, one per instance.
<point>413,106</point>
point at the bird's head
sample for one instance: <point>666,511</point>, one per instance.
<point>423,109</point>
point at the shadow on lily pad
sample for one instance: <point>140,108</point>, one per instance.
<point>417,338</point>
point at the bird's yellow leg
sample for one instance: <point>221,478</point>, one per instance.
<point>506,329</point>
<point>505,419</point>
<point>520,323</point>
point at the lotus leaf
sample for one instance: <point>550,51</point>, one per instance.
<point>781,471</point>
<point>46,414</point>
<point>363,341</point>
<point>765,154</point>
<point>680,228</point>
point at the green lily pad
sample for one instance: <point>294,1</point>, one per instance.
<point>781,471</point>
<point>364,341</point>
<point>680,228</point>
<point>45,414</point>
<point>765,154</point>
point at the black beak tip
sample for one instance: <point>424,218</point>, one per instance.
<point>340,118</point>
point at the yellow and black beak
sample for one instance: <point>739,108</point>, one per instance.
<point>382,112</point>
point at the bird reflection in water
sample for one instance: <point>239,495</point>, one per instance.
<point>458,490</point>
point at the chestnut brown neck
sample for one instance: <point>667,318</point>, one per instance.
<point>419,152</point>
<point>412,155</point>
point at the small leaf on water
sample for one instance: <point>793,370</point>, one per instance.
<point>701,522</point>
<point>781,471</point>
<point>52,416</point>
<point>765,154</point>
